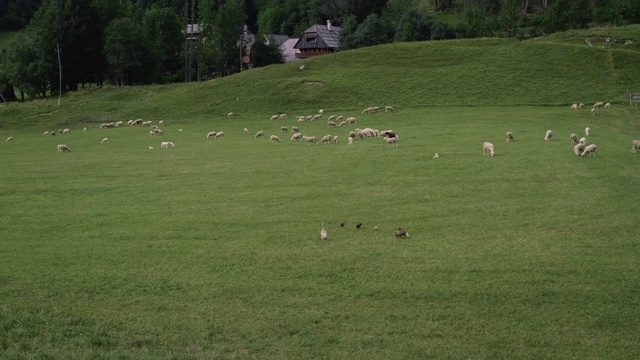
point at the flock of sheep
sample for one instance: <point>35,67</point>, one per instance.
<point>391,138</point>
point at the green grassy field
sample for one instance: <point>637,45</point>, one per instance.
<point>212,249</point>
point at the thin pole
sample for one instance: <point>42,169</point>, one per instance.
<point>59,75</point>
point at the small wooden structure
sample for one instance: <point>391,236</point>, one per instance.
<point>318,40</point>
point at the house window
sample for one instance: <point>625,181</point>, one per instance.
<point>311,39</point>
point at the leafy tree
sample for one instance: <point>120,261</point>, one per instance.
<point>568,14</point>
<point>413,26</point>
<point>163,29</point>
<point>440,31</point>
<point>228,27</point>
<point>372,31</point>
<point>263,54</point>
<point>26,69</point>
<point>128,53</point>
<point>16,14</point>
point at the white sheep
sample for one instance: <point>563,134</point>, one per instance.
<point>167,144</point>
<point>320,112</point>
<point>350,140</point>
<point>161,122</point>
<point>593,111</point>
<point>84,130</point>
<point>284,129</point>
<point>151,133</point>
<point>573,138</point>
<point>581,106</point>
<point>45,133</point>
<point>574,107</point>
<point>295,129</point>
<point>351,120</point>
<point>607,105</point>
<point>246,131</point>
<point>509,136</point>
<point>583,140</point>
<point>487,148</point>
<point>283,116</point>
<point>231,115</point>
<point>342,123</point>
<point>310,139</point>
<point>274,138</point>
<point>591,149</point>
<point>259,134</point>
<point>66,131</point>
<point>105,140</point>
<point>548,135</point>
<point>587,131</point>
<point>9,139</point>
<point>219,134</point>
<point>332,117</point>
<point>158,132</point>
<point>598,104</point>
<point>120,123</point>
<point>389,108</point>
<point>211,134</point>
<point>635,145</point>
<point>326,139</point>
<point>275,117</point>
<point>335,139</point>
<point>296,136</point>
<point>317,117</point>
<point>578,148</point>
<point>391,141</point>
<point>63,148</point>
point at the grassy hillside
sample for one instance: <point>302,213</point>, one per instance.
<point>547,72</point>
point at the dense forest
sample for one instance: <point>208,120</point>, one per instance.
<point>65,44</point>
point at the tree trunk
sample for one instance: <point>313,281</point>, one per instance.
<point>8,93</point>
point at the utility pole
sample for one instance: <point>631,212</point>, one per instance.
<point>59,75</point>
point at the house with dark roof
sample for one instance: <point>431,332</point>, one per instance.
<point>318,40</point>
<point>275,39</point>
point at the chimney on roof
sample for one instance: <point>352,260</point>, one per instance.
<point>329,25</point>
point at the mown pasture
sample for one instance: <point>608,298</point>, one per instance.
<point>212,249</point>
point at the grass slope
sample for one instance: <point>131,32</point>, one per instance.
<point>459,72</point>
<point>212,249</point>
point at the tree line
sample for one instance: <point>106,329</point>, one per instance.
<point>129,42</point>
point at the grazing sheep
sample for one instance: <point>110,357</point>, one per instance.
<point>284,129</point>
<point>574,107</point>
<point>635,145</point>
<point>246,131</point>
<point>63,148</point>
<point>45,133</point>
<point>339,118</point>
<point>84,130</point>
<point>342,123</point>
<point>167,144</point>
<point>158,132</point>
<point>578,148</point>
<point>295,129</point>
<point>389,108</point>
<point>332,117</point>
<point>351,120</point>
<point>581,106</point>
<point>607,105</point>
<point>283,116</point>
<point>331,123</point>
<point>151,133</point>
<point>583,140</point>
<point>509,136</point>
<point>161,122</point>
<point>391,141</point>
<point>296,136</point>
<point>211,134</point>
<point>326,139</point>
<point>120,123</point>
<point>9,139</point>
<point>350,140</point>
<point>598,104</point>
<point>317,117</point>
<point>105,140</point>
<point>275,117</point>
<point>53,133</point>
<point>274,138</point>
<point>231,115</point>
<point>400,233</point>
<point>320,112</point>
<point>310,139</point>
<point>593,111</point>
<point>548,135</point>
<point>260,134</point>
<point>436,156</point>
<point>487,148</point>
<point>219,134</point>
<point>573,138</point>
<point>352,134</point>
<point>323,233</point>
<point>591,149</point>
<point>335,139</point>
<point>587,131</point>
<point>66,131</point>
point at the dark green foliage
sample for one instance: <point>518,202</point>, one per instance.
<point>16,14</point>
<point>568,14</point>
<point>263,54</point>
<point>164,32</point>
<point>128,53</point>
<point>413,26</point>
<point>372,31</point>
